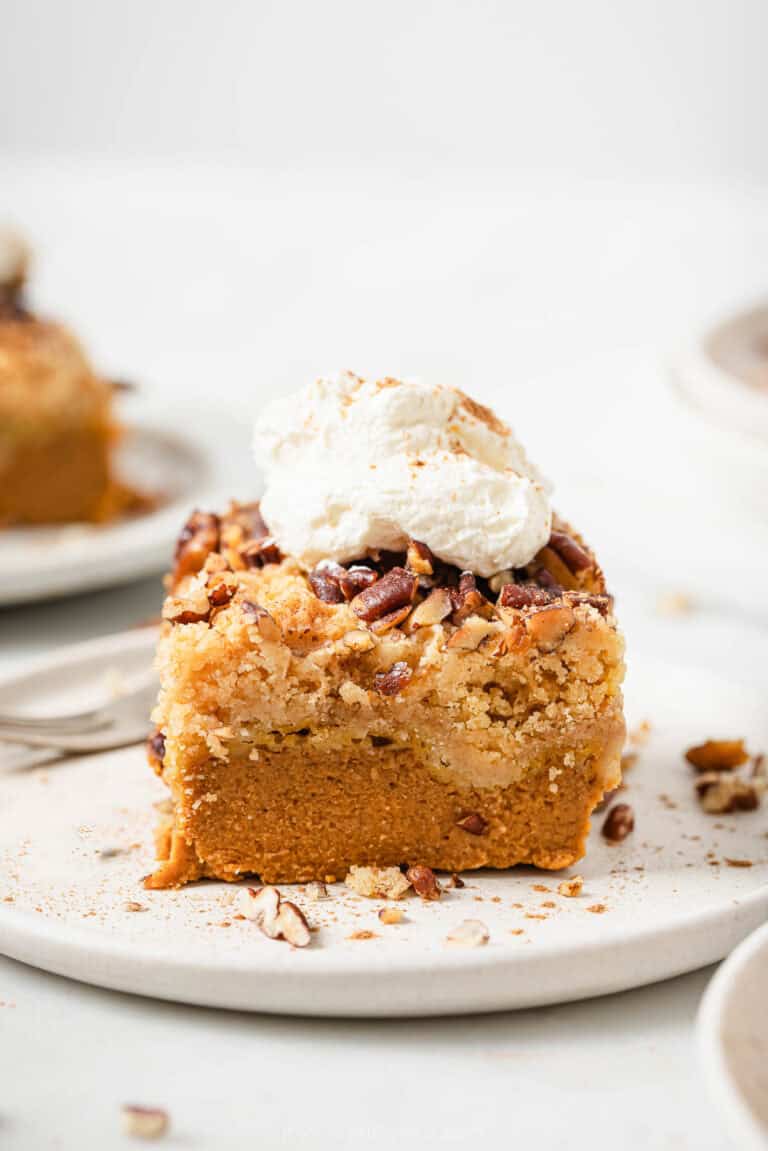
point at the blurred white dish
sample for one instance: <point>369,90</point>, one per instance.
<point>187,467</point>
<point>733,1041</point>
<point>725,376</point>
<point>76,839</point>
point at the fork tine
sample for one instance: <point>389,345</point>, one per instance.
<point>75,722</point>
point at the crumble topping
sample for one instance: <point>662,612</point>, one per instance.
<point>390,592</point>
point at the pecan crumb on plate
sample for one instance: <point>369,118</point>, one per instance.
<point>468,933</point>
<point>619,823</point>
<point>276,917</point>
<point>144,1122</point>
<point>391,915</point>
<point>718,755</point>
<point>316,891</point>
<point>424,882</point>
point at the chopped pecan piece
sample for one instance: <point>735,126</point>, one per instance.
<point>260,552</point>
<point>601,603</point>
<point>144,1122</point>
<point>519,596</point>
<point>391,915</point>
<point>498,581</point>
<point>424,882</point>
<point>717,755</point>
<point>721,794</point>
<point>419,558</point>
<point>156,750</point>
<point>390,620</point>
<point>324,582</point>
<point>358,640</point>
<point>355,579</point>
<point>266,624</point>
<point>276,917</point>
<point>216,562</point>
<point>544,579</point>
<point>571,553</point>
<point>472,823</point>
<point>468,599</point>
<point>393,591</point>
<point>548,626</point>
<point>511,639</point>
<point>571,888</point>
<point>317,891</point>
<point>220,587</point>
<point>619,822</point>
<point>191,608</point>
<point>243,523</point>
<point>394,681</point>
<point>199,537</point>
<point>434,609</point>
<point>472,633</point>
<point>294,928</point>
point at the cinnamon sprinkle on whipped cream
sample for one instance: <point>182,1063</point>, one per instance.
<point>355,466</point>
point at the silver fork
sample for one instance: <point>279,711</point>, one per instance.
<point>118,723</point>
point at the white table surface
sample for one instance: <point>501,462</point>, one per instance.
<point>637,270</point>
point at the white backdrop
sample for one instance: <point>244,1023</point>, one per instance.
<point>604,87</point>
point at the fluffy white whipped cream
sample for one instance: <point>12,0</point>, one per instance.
<point>352,466</point>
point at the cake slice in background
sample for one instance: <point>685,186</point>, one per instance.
<point>57,430</point>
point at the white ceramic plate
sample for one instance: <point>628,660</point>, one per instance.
<point>189,465</point>
<point>733,1041</point>
<point>670,902</point>
<point>725,376</point>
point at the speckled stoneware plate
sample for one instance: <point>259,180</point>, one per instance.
<point>679,893</point>
<point>178,460</point>
<point>733,1041</point>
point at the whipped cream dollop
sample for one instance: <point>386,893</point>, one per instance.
<point>352,466</point>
